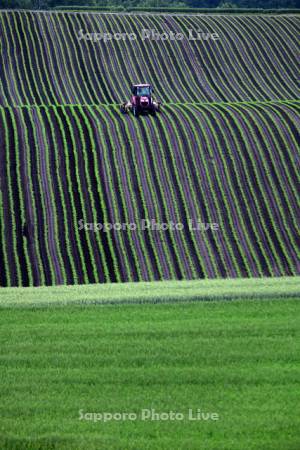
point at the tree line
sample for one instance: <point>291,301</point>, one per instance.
<point>45,4</point>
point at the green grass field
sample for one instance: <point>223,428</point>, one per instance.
<point>238,359</point>
<point>153,292</point>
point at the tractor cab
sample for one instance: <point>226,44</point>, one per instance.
<point>142,90</point>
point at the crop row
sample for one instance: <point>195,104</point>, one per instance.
<point>46,61</point>
<point>233,165</point>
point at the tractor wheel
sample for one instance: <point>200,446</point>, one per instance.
<point>122,108</point>
<point>153,112</point>
<point>135,111</point>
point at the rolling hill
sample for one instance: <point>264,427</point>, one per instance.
<point>223,153</point>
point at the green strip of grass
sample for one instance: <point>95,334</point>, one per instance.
<point>153,292</point>
<point>238,359</point>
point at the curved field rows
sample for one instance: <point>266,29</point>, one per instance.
<point>224,150</point>
<point>235,165</point>
<point>256,58</point>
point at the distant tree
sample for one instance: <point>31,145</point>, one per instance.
<point>21,4</point>
<point>41,4</point>
<point>202,3</point>
<point>226,5</point>
<point>44,4</point>
<point>53,3</point>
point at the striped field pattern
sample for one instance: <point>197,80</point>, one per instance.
<point>225,149</point>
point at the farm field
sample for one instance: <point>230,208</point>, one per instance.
<point>238,359</point>
<point>56,59</point>
<point>245,185</point>
<point>224,151</point>
<point>279,288</point>
<point>150,262</point>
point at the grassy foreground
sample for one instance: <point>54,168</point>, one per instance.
<point>153,292</point>
<point>238,359</point>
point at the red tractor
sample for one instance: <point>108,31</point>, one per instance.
<point>141,101</point>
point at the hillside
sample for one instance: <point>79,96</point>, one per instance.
<point>48,59</point>
<point>223,151</point>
